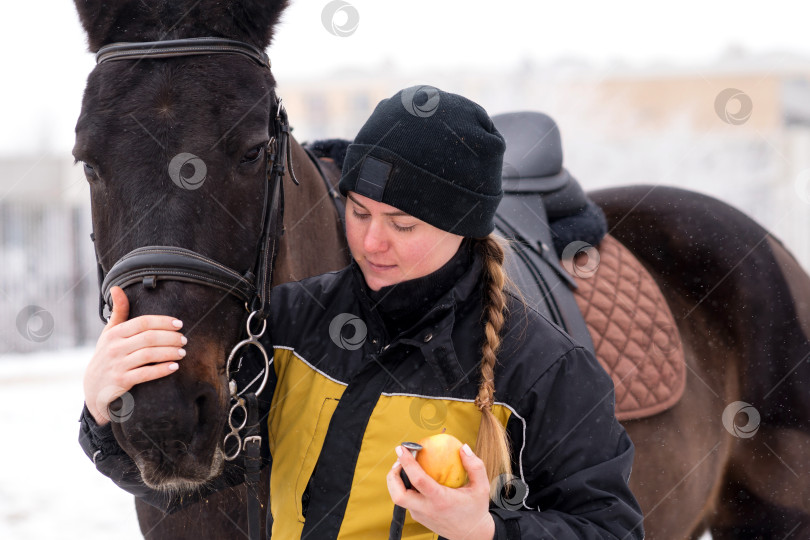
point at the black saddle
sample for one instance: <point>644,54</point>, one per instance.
<point>543,211</point>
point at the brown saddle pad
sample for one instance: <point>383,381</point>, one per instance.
<point>633,330</point>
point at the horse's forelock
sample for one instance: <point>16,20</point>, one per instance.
<point>107,22</point>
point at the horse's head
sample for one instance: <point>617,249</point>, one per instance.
<point>138,116</point>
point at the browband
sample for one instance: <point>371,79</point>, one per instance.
<point>180,47</point>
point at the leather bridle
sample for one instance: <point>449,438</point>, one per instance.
<point>150,264</point>
<point>180,47</point>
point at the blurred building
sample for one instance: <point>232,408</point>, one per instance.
<point>738,130</point>
<point>47,266</point>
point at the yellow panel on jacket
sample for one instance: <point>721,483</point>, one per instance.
<point>398,418</point>
<point>303,404</point>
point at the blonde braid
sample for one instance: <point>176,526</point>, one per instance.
<point>493,444</point>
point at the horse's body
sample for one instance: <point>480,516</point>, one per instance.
<point>736,293</point>
<point>742,304</point>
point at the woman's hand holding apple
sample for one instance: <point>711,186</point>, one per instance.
<point>450,512</point>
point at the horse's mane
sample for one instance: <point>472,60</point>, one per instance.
<point>107,21</point>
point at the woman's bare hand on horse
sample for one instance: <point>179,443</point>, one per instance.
<point>452,513</point>
<point>130,352</point>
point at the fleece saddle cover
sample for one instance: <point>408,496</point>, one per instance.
<point>634,333</point>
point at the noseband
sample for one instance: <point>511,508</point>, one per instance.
<point>148,265</point>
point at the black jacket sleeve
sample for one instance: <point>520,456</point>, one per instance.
<point>572,460</point>
<point>99,443</point>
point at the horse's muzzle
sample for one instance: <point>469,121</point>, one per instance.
<point>174,438</point>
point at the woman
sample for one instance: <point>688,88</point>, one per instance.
<point>417,335</point>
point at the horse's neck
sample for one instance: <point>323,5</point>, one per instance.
<point>314,241</point>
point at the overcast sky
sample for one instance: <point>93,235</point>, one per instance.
<point>43,77</point>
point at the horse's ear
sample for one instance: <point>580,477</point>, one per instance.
<point>249,20</point>
<point>98,17</point>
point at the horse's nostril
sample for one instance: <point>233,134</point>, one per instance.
<point>176,432</point>
<point>174,448</point>
<point>200,406</point>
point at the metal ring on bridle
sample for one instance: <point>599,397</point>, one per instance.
<point>238,445</point>
<point>238,405</point>
<point>261,332</point>
<point>251,341</point>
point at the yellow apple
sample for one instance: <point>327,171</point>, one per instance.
<point>440,459</point>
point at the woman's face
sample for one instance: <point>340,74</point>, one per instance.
<point>391,246</point>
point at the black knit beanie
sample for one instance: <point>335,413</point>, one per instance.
<point>434,155</point>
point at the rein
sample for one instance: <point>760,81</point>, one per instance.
<point>150,264</point>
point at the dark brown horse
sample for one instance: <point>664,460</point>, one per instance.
<point>740,299</point>
<point>137,116</point>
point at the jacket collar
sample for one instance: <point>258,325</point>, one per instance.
<point>457,295</point>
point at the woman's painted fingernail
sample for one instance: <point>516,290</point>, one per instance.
<point>177,323</point>
<point>398,450</point>
<point>183,340</point>
<point>181,352</point>
<point>173,366</point>
<point>395,465</point>
<point>467,450</point>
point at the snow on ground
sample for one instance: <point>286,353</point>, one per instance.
<point>48,487</point>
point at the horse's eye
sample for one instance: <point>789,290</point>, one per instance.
<point>89,170</point>
<point>253,154</point>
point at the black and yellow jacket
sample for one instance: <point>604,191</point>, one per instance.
<point>351,384</point>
